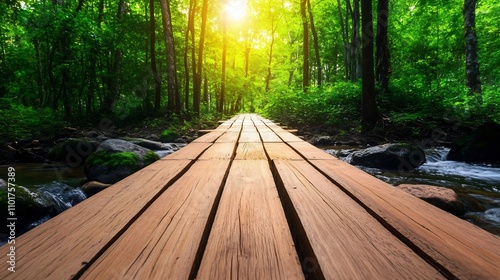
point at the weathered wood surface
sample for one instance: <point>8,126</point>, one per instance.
<point>250,200</point>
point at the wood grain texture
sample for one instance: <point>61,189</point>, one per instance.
<point>219,151</point>
<point>269,136</point>
<point>250,151</point>
<point>249,135</point>
<point>164,241</point>
<point>250,238</point>
<point>228,137</point>
<point>346,224</point>
<point>60,247</point>
<point>461,248</point>
<point>347,241</point>
<point>280,151</point>
<point>209,137</point>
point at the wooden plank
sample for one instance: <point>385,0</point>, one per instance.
<point>219,151</point>
<point>250,238</point>
<point>270,137</point>
<point>229,137</point>
<point>348,243</point>
<point>460,248</point>
<point>310,152</point>
<point>164,241</point>
<point>190,151</point>
<point>288,137</point>
<point>249,135</point>
<point>250,151</point>
<point>205,131</point>
<point>62,246</point>
<point>210,137</point>
<point>281,151</point>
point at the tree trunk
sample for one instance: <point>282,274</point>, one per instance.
<point>173,103</point>
<point>222,96</point>
<point>205,91</point>
<point>472,77</point>
<point>273,30</point>
<point>345,40</point>
<point>198,75</point>
<point>356,43</point>
<point>114,72</point>
<point>186,55</point>
<point>368,103</point>
<point>316,44</point>
<point>306,80</point>
<point>383,70</point>
<point>154,69</point>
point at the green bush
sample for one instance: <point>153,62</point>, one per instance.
<point>169,135</point>
<point>329,105</point>
<point>23,123</point>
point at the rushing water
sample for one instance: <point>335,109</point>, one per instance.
<point>478,186</point>
<point>54,183</point>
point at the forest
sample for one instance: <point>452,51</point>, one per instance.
<point>342,66</point>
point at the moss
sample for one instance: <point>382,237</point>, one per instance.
<point>114,159</point>
<point>150,157</point>
<point>169,135</point>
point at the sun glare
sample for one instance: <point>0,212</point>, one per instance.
<point>236,9</point>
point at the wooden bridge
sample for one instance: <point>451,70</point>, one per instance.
<point>250,200</point>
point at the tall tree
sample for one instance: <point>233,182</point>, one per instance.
<point>271,47</point>
<point>355,51</point>
<point>306,80</point>
<point>319,76</point>
<point>222,96</point>
<point>369,112</point>
<point>173,103</point>
<point>152,45</point>
<point>189,30</point>
<point>472,77</point>
<point>114,72</point>
<point>383,68</point>
<point>199,67</point>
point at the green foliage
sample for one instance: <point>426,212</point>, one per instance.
<point>62,66</point>
<point>330,105</point>
<point>21,122</point>
<point>169,135</point>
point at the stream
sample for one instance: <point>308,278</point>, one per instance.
<point>478,186</point>
<point>57,184</point>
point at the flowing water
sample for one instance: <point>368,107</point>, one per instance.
<point>478,186</point>
<point>57,184</point>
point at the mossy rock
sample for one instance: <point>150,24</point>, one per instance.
<point>73,151</point>
<point>29,207</point>
<point>116,159</point>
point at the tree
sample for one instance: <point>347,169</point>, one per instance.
<point>173,103</point>
<point>369,114</point>
<point>316,43</point>
<point>306,80</point>
<point>222,96</point>
<point>152,44</point>
<point>201,46</point>
<point>189,30</point>
<point>472,77</point>
<point>382,70</point>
